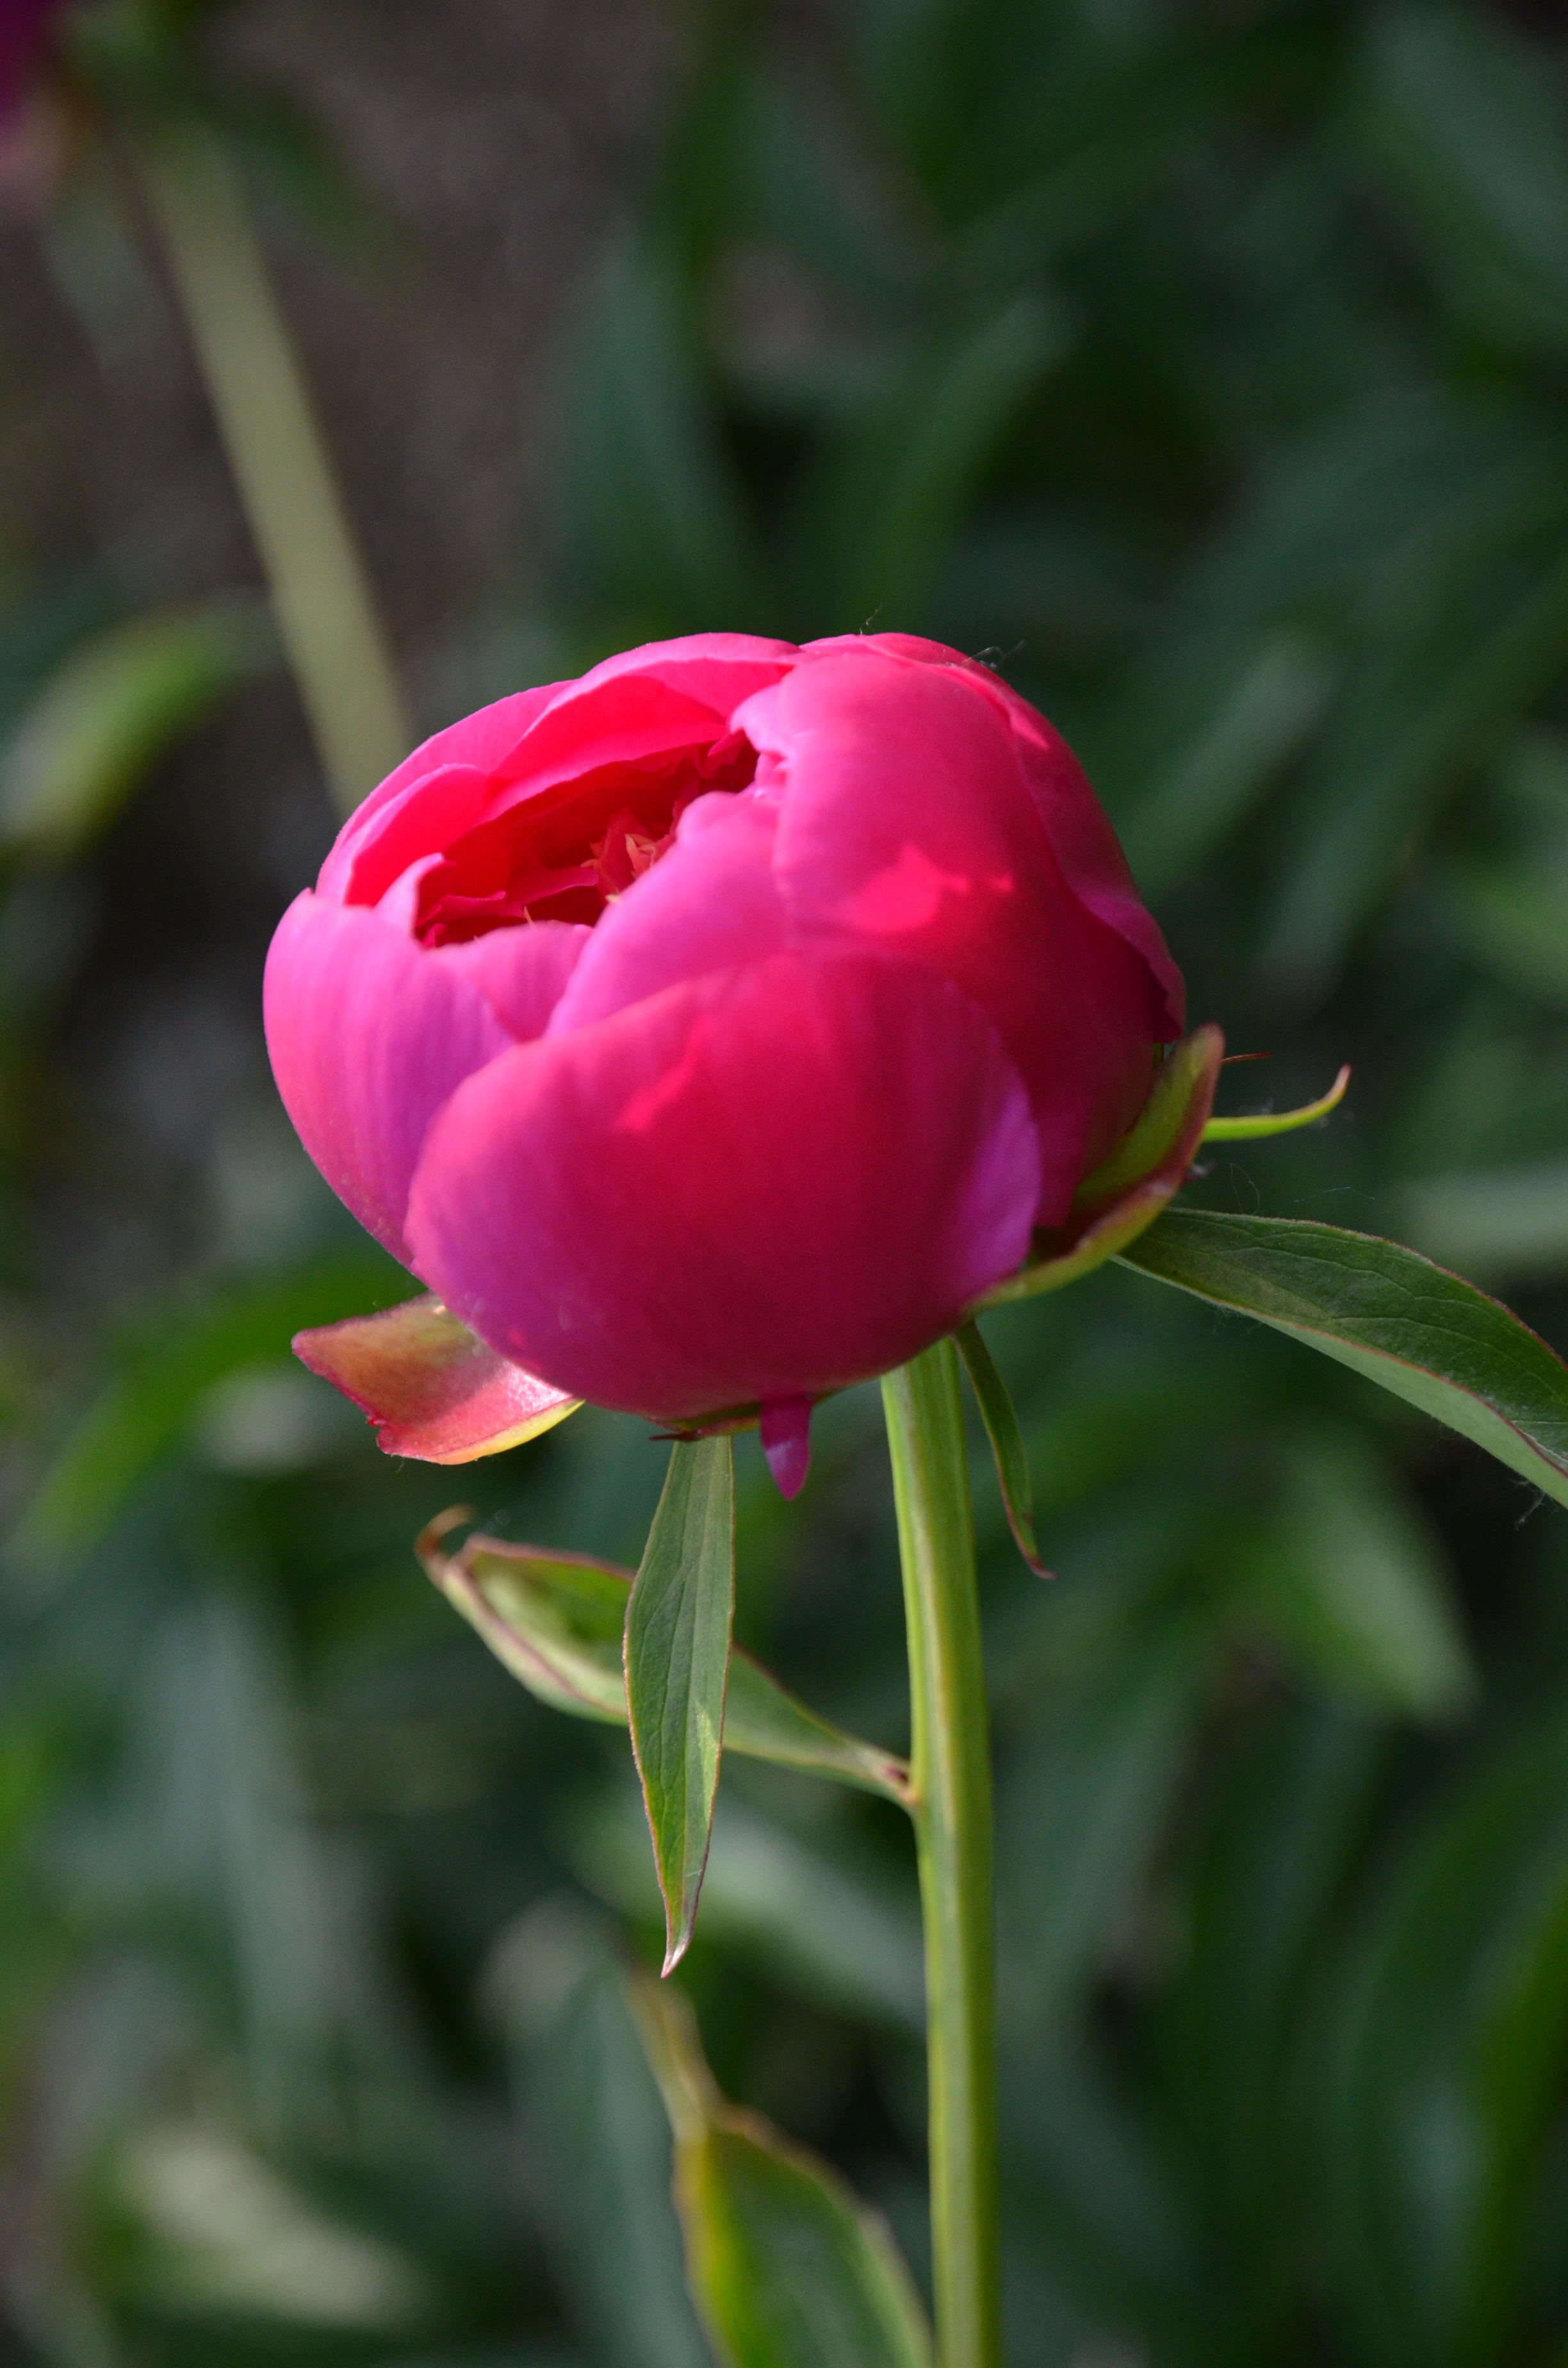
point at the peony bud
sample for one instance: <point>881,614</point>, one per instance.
<point>713,1032</point>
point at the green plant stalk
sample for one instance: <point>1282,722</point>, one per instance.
<point>327,617</point>
<point>951,1777</point>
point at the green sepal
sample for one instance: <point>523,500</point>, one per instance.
<point>1267,1123</point>
<point>1000,1418</point>
<point>1128,1190</point>
<point>557,1622</point>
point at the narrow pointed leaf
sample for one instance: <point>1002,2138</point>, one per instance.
<point>432,1389</point>
<point>556,1620</point>
<point>1128,1190</point>
<point>678,1619</point>
<point>787,2267</point>
<point>1346,1575</point>
<point>1266,1123</point>
<point>817,1917</point>
<point>997,1412</point>
<point>1419,1331</point>
<point>111,709</point>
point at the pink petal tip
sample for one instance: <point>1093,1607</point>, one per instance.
<point>786,1429</point>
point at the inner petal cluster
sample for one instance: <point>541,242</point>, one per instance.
<point>568,852</point>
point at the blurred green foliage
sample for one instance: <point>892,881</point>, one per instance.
<point>1205,366</point>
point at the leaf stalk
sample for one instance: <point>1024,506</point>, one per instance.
<point>326,615</point>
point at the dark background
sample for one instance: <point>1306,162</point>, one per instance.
<point>1207,366</point>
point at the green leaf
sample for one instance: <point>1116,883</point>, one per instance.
<point>1481,633</point>
<point>678,1618</point>
<point>787,2267</point>
<point>1262,715</point>
<point>1419,1331</point>
<point>998,1415</point>
<point>818,1918</point>
<point>892,497</point>
<point>1128,1189</point>
<point>1352,1584</point>
<point>1446,2073</point>
<point>1470,134</point>
<point>557,1622</point>
<point>163,1376</point>
<point>112,708</point>
<point>1499,1221</point>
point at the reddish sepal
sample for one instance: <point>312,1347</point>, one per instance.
<point>432,1389</point>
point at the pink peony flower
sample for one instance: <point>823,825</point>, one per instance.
<point>709,1032</point>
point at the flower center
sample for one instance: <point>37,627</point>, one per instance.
<point>568,852</point>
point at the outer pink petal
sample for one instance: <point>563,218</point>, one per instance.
<point>480,743</point>
<point>718,669</point>
<point>760,1185</point>
<point>907,825</point>
<point>1088,850</point>
<point>369,1034</point>
<point>709,904</point>
<point>1081,838</point>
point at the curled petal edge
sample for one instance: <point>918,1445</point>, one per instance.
<point>433,1390</point>
<point>1128,1190</point>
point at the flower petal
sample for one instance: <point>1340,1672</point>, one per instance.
<point>709,904</point>
<point>522,973</point>
<point>1081,837</point>
<point>480,743</point>
<point>368,1034</point>
<point>633,709</point>
<point>907,825</point>
<point>785,1425</point>
<point>762,1184</point>
<point>718,669</point>
<point>1089,852</point>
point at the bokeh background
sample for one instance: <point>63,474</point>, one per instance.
<point>1204,364</point>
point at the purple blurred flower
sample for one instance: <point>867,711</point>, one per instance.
<point>22,24</point>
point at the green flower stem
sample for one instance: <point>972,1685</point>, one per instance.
<point>326,617</point>
<point>951,1773</point>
